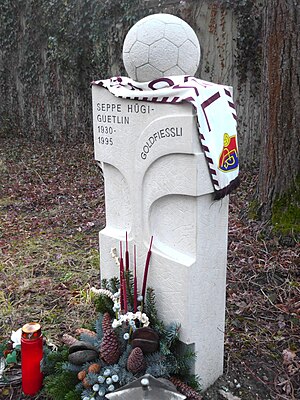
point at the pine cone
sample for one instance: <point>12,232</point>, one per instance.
<point>68,339</point>
<point>185,389</point>
<point>106,323</point>
<point>81,375</point>
<point>87,332</point>
<point>136,361</point>
<point>86,383</point>
<point>94,368</point>
<point>110,348</point>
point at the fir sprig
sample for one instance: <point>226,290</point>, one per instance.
<point>151,311</point>
<point>129,287</point>
<point>54,359</point>
<point>113,284</point>
<point>184,363</point>
<point>59,385</point>
<point>104,304</point>
<point>98,326</point>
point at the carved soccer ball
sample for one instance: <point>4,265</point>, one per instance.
<point>160,45</point>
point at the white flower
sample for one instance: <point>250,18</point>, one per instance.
<point>140,298</point>
<point>116,323</point>
<point>130,315</point>
<point>126,336</point>
<point>96,387</point>
<point>16,337</point>
<point>144,318</point>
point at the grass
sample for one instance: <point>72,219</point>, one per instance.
<point>51,210</point>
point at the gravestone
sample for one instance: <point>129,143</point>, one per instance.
<point>157,183</point>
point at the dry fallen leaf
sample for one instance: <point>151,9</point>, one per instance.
<point>288,356</point>
<point>228,395</point>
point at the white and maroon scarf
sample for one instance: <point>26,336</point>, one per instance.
<point>215,112</point>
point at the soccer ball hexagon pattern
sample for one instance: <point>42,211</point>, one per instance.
<point>160,45</point>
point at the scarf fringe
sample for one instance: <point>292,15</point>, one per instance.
<point>220,194</point>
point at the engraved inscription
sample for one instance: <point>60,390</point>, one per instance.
<point>160,134</point>
<point>110,117</point>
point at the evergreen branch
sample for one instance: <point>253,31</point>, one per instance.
<point>57,386</point>
<point>194,382</point>
<point>114,284</point>
<point>92,378</point>
<point>98,326</point>
<point>67,366</point>
<point>185,362</point>
<point>151,311</point>
<point>104,283</point>
<point>171,333</point>
<point>104,304</point>
<point>129,287</point>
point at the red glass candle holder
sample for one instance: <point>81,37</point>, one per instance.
<point>31,357</point>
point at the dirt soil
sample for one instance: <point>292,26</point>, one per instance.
<point>51,210</point>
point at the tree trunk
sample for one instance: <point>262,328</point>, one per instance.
<point>280,101</point>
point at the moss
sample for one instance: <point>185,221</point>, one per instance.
<point>286,212</point>
<point>254,210</point>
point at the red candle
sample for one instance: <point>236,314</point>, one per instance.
<point>127,254</point>
<point>124,295</point>
<point>121,277</point>
<point>146,270</point>
<point>31,357</point>
<point>134,282</point>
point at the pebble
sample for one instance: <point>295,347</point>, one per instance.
<point>82,356</point>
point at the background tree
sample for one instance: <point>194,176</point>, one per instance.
<point>278,190</point>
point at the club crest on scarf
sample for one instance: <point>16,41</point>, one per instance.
<point>229,157</point>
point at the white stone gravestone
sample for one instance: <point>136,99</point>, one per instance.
<point>157,183</point>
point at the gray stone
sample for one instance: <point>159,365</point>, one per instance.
<point>80,345</point>
<point>82,356</point>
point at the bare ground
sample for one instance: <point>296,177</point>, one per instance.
<point>51,209</point>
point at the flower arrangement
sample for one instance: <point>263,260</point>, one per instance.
<point>129,341</point>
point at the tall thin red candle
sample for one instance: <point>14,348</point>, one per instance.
<point>146,269</point>
<point>124,295</point>
<point>127,254</point>
<point>121,277</point>
<point>134,282</point>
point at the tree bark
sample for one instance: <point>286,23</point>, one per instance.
<point>280,101</point>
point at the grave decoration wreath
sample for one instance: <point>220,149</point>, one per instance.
<point>129,341</point>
